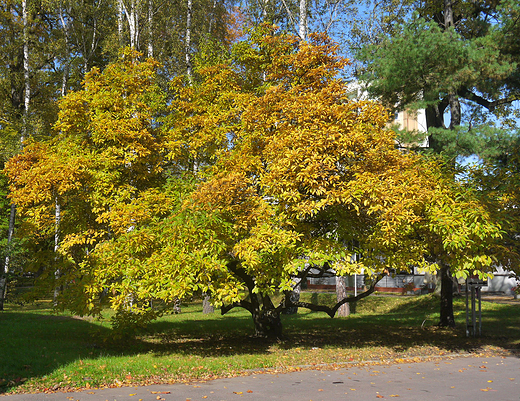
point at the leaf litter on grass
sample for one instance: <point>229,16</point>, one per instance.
<point>173,355</point>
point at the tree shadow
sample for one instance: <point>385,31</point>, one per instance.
<point>34,345</point>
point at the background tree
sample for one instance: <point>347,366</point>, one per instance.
<point>49,46</point>
<point>105,151</point>
<point>453,59</point>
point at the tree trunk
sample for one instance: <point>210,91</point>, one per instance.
<point>177,306</point>
<point>213,19</point>
<point>341,293</point>
<point>26,75</point>
<point>66,65</point>
<point>447,319</point>
<point>187,44</point>
<point>294,296</point>
<point>448,14</point>
<point>5,271</point>
<point>27,99</point>
<point>268,323</point>
<point>207,308</point>
<point>120,12</point>
<point>150,28</point>
<point>302,31</point>
<point>57,272</point>
<point>132,17</point>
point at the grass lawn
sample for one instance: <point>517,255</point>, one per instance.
<point>42,350</point>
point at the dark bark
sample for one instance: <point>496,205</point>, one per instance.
<point>266,317</point>
<point>294,296</point>
<point>4,273</point>
<point>435,119</point>
<point>490,105</point>
<point>268,323</point>
<point>447,318</point>
<point>454,111</point>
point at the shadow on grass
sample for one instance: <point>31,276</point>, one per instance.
<point>33,345</point>
<point>36,344</point>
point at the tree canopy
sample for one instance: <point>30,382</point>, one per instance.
<point>255,175</point>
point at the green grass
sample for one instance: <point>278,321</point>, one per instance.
<point>43,350</point>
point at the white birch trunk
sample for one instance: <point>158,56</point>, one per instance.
<point>26,76</point>
<point>150,29</point>
<point>135,19</point>
<point>132,17</point>
<point>302,31</point>
<point>213,19</point>
<point>23,135</point>
<point>187,44</point>
<point>57,272</point>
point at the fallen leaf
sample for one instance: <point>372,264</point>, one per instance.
<point>394,395</point>
<point>237,392</point>
<point>379,396</point>
<point>320,389</point>
<point>490,381</point>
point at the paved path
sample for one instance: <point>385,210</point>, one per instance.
<point>463,378</point>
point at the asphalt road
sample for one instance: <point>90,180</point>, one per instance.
<point>462,378</point>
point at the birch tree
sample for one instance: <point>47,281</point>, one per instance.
<point>23,135</point>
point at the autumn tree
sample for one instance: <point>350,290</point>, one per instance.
<point>106,151</point>
<point>290,171</point>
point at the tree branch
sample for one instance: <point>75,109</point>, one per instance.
<point>242,304</point>
<point>286,303</point>
<point>365,294</point>
<point>490,105</point>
